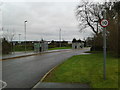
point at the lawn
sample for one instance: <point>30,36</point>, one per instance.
<point>87,69</point>
<point>60,48</point>
<point>22,48</point>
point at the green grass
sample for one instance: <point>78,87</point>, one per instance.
<point>60,48</point>
<point>22,48</point>
<point>87,69</point>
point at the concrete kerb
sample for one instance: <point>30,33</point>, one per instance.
<point>28,55</point>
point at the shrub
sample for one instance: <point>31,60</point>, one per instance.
<point>6,47</point>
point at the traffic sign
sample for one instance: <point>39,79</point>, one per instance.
<point>104,23</point>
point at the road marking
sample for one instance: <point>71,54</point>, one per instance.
<point>3,84</point>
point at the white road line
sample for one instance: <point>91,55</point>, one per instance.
<point>2,84</point>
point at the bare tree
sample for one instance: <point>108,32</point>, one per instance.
<point>8,35</point>
<point>89,15</point>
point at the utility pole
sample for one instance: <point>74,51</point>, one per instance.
<point>19,37</point>
<point>60,37</point>
<point>25,33</point>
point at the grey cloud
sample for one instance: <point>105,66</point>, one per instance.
<point>44,20</point>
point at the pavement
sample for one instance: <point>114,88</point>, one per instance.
<point>17,54</point>
<point>28,53</point>
<point>26,72</point>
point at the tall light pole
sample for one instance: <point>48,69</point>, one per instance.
<point>25,33</point>
<point>60,37</point>
<point>19,37</point>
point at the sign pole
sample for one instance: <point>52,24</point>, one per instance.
<point>104,41</point>
<point>104,23</point>
<point>104,51</point>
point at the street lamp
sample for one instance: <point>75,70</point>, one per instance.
<point>25,33</point>
<point>60,36</point>
<point>19,37</point>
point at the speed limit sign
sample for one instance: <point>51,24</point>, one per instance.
<point>104,23</point>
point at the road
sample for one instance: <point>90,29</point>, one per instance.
<point>27,71</point>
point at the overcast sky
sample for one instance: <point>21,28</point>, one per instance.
<point>44,20</point>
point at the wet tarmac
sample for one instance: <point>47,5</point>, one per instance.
<point>27,71</point>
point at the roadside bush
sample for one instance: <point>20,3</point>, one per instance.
<point>6,47</point>
<point>96,48</point>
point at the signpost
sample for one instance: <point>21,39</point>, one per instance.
<point>104,23</point>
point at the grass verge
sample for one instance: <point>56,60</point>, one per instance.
<point>87,69</point>
<point>60,48</point>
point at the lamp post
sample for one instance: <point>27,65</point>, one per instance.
<point>19,37</point>
<point>60,36</point>
<point>25,33</point>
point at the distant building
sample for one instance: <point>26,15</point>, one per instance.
<point>53,44</point>
<point>41,46</point>
<point>77,44</point>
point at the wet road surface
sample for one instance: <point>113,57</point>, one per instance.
<point>27,71</point>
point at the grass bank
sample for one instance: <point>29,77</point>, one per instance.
<point>87,69</point>
<point>60,48</point>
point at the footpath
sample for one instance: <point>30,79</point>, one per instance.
<point>14,55</point>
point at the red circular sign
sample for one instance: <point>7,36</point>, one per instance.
<point>104,23</point>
